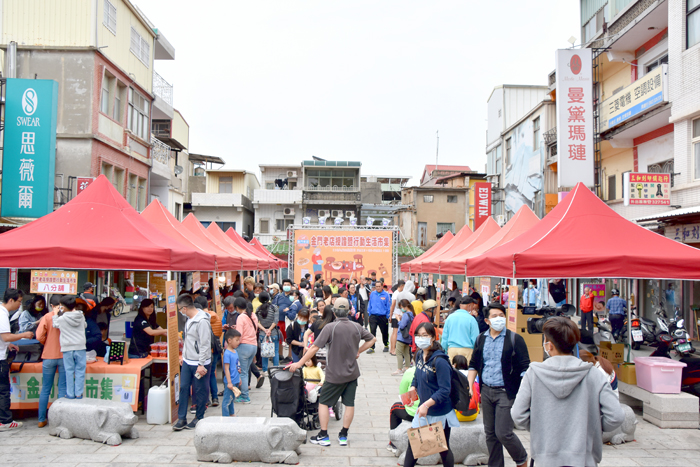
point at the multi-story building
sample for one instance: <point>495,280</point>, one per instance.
<point>331,190</point>
<point>381,198</point>
<point>278,202</point>
<point>464,180</point>
<point>226,199</point>
<point>102,54</point>
<point>170,162</point>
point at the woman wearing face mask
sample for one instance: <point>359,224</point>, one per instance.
<point>295,334</point>
<point>29,319</point>
<point>431,384</point>
<point>563,384</point>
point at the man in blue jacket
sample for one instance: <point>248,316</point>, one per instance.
<point>461,330</point>
<point>379,309</point>
<point>284,302</point>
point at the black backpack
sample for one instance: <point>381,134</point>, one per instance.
<point>406,331</point>
<point>460,396</point>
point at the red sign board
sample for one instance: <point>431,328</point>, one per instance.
<point>482,203</point>
<point>82,183</point>
<point>13,278</point>
<point>647,189</point>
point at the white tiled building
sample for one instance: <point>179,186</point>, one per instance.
<point>278,201</point>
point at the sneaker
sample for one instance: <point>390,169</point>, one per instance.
<point>12,425</point>
<point>43,424</point>
<point>215,402</point>
<point>192,424</point>
<point>180,425</point>
<point>260,382</point>
<point>241,400</point>
<point>342,440</point>
<point>370,351</point>
<point>221,393</point>
<point>386,349</point>
<point>325,441</point>
<point>331,413</point>
<point>391,448</point>
<point>193,409</point>
<point>397,372</point>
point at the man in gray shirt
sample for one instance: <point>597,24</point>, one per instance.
<point>342,369</point>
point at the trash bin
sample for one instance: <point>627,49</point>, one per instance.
<point>128,329</point>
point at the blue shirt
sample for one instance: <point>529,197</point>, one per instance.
<point>530,296</point>
<point>460,331</point>
<point>232,359</point>
<point>616,306</point>
<point>379,304</point>
<point>284,301</point>
<point>492,373</point>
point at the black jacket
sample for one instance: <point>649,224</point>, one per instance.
<point>513,364</point>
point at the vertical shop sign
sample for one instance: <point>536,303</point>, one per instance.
<point>217,296</point>
<point>13,279</point>
<point>575,136</point>
<point>173,348</point>
<point>482,201</point>
<point>513,306</point>
<point>196,281</point>
<point>29,156</point>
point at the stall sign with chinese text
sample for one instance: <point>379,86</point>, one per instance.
<point>54,282</point>
<point>645,94</point>
<point>82,183</point>
<point>173,348</point>
<point>29,155</point>
<point>574,117</point>
<point>647,189</point>
<point>688,233</point>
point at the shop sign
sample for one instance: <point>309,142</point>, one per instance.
<point>82,183</point>
<point>651,189</point>
<point>229,279</point>
<point>29,155</point>
<point>645,94</point>
<point>512,306</point>
<point>196,281</point>
<point>13,278</point>
<point>173,349</point>
<point>54,282</point>
<point>574,117</point>
<point>482,208</point>
<point>688,233</point>
<point>597,291</point>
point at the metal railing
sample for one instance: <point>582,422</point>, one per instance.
<point>332,188</point>
<point>160,151</point>
<point>162,88</point>
<point>550,136</point>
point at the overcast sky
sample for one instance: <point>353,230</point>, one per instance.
<point>276,82</point>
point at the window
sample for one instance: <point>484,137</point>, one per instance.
<point>143,191</point>
<point>269,185</point>
<point>451,198</point>
<point>536,134</point>
<point>119,102</point>
<point>282,224</point>
<point>110,17</point>
<point>665,167</point>
<point>108,81</point>
<point>696,148</point>
<point>508,146</point>
<point>140,47</point>
<point>428,198</point>
<point>139,114</point>
<point>225,225</point>
<point>264,226</point>
<point>178,210</point>
<point>115,175</point>
<point>444,227</point>
<point>133,191</point>
<point>656,63</point>
<point>692,23</point>
<point>612,194</point>
<point>225,184</point>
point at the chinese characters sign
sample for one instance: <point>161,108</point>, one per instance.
<point>688,233</point>
<point>29,157</point>
<point>574,117</point>
<point>173,349</point>
<point>482,203</point>
<point>54,282</point>
<point>645,94</point>
<point>652,189</point>
<point>597,291</point>
<point>82,183</point>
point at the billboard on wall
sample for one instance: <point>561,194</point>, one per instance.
<point>646,189</point>
<point>343,253</point>
<point>574,81</point>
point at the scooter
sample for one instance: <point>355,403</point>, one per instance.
<point>675,328</point>
<point>604,333</point>
<point>643,330</point>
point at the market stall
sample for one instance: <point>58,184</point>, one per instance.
<point>263,263</point>
<point>415,266</point>
<point>259,247</point>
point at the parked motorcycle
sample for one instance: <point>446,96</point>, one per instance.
<point>675,328</point>
<point>604,333</point>
<point>643,330</point>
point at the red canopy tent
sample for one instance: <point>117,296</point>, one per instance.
<point>262,263</point>
<point>259,246</point>
<point>156,214</point>
<point>582,237</point>
<point>98,229</point>
<point>415,265</point>
<point>459,248</point>
<point>523,221</point>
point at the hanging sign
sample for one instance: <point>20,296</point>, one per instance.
<point>646,189</point>
<point>482,203</point>
<point>54,282</point>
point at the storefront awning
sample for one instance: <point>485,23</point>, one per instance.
<point>670,214</point>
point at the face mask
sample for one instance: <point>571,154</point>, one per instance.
<point>257,295</point>
<point>39,308</point>
<point>287,288</point>
<point>302,323</point>
<point>544,346</point>
<point>529,286</point>
<point>422,342</point>
<point>498,323</point>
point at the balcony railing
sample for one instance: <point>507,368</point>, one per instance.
<point>162,88</point>
<point>328,196</point>
<point>550,136</point>
<point>332,188</point>
<point>160,151</point>
<point>277,196</point>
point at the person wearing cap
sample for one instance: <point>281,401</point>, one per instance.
<point>421,294</point>
<point>379,309</point>
<point>617,308</point>
<point>426,316</point>
<point>342,369</point>
<point>88,291</point>
<point>460,331</point>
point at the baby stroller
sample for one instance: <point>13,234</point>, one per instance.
<point>312,405</point>
<point>288,397</point>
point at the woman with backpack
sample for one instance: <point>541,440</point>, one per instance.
<point>267,330</point>
<point>432,385</point>
<point>403,339</point>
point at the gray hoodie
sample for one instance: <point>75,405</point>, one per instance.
<point>566,404</point>
<point>197,349</point>
<point>72,326</point>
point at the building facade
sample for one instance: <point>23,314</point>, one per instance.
<point>278,201</point>
<point>331,191</point>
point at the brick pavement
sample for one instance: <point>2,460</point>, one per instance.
<point>31,446</point>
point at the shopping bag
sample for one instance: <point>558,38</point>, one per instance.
<point>427,440</point>
<point>267,348</point>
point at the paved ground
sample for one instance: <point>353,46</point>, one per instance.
<point>368,436</point>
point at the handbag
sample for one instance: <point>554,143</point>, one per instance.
<point>427,440</point>
<point>29,352</point>
<point>267,348</point>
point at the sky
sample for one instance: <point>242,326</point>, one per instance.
<point>276,82</point>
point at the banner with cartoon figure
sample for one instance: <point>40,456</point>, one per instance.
<point>343,253</point>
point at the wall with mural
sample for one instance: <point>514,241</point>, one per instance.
<point>524,178</point>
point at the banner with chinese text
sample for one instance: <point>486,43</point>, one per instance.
<point>512,306</point>
<point>343,253</point>
<point>54,282</point>
<point>687,233</point>
<point>173,349</point>
<point>642,96</point>
<point>651,189</point>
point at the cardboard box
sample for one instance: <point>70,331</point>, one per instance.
<point>614,353</point>
<point>531,340</point>
<point>627,373</point>
<point>536,353</point>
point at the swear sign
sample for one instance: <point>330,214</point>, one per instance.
<point>482,203</point>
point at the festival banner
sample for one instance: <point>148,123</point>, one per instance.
<point>173,349</point>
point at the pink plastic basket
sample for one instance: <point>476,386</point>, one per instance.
<point>659,375</point>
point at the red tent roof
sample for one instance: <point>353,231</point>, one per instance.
<point>259,246</point>
<point>98,229</point>
<point>414,266</point>
<point>261,263</point>
<point>156,214</point>
<point>443,263</point>
<point>583,237</point>
<point>196,233</point>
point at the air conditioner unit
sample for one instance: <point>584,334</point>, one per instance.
<point>323,213</point>
<point>288,211</point>
<point>349,214</point>
<point>291,174</point>
<point>501,220</point>
<point>336,213</point>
